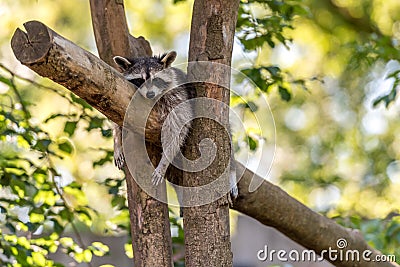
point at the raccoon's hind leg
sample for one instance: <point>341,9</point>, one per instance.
<point>119,159</point>
<point>175,134</point>
<point>169,152</point>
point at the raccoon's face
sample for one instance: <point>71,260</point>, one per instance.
<point>149,74</point>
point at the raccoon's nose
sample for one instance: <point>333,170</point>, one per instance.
<point>150,95</point>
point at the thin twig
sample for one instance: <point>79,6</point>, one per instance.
<point>39,85</point>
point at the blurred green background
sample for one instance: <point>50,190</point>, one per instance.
<point>330,72</point>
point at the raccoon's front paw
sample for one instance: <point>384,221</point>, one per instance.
<point>156,177</point>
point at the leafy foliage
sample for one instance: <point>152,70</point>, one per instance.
<point>34,199</point>
<point>391,96</point>
<point>323,139</point>
<point>268,28</point>
<point>381,234</point>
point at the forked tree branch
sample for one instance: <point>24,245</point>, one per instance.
<point>54,57</point>
<point>150,228</point>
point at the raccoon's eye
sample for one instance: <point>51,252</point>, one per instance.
<point>160,83</point>
<point>137,82</point>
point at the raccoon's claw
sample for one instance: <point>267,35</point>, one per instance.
<point>234,191</point>
<point>119,161</point>
<point>233,185</point>
<point>156,177</point>
<point>233,194</point>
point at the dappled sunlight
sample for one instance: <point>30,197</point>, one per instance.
<point>329,75</point>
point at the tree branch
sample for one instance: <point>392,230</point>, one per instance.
<point>273,207</point>
<point>150,227</point>
<point>52,56</point>
<point>111,32</point>
<point>56,58</point>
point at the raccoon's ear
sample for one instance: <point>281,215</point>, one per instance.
<point>168,58</point>
<point>122,62</point>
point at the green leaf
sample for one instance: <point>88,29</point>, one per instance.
<point>87,255</point>
<point>66,146</point>
<point>252,143</point>
<point>252,106</point>
<point>53,116</point>
<point>387,99</point>
<point>274,70</point>
<point>58,228</point>
<point>108,158</point>
<point>66,215</point>
<point>393,74</point>
<point>6,81</point>
<point>284,93</point>
<point>38,258</point>
<point>393,229</point>
<point>254,75</point>
<point>42,145</point>
<point>249,105</point>
<point>106,133</point>
<point>95,122</point>
<point>70,127</point>
<point>118,201</point>
<point>80,102</point>
<point>11,227</point>
<point>99,249</point>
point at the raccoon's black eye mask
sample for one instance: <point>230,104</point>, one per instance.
<point>160,83</point>
<point>137,82</point>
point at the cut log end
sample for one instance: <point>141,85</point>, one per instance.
<point>32,46</point>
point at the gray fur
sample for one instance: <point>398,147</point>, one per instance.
<point>154,78</point>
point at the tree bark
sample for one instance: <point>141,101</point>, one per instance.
<point>150,228</point>
<point>207,236</point>
<point>112,34</point>
<point>52,56</point>
<point>58,59</point>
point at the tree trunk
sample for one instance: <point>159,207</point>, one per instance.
<point>207,236</point>
<point>150,228</point>
<point>58,59</point>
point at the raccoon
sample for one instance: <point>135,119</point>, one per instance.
<point>155,78</point>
